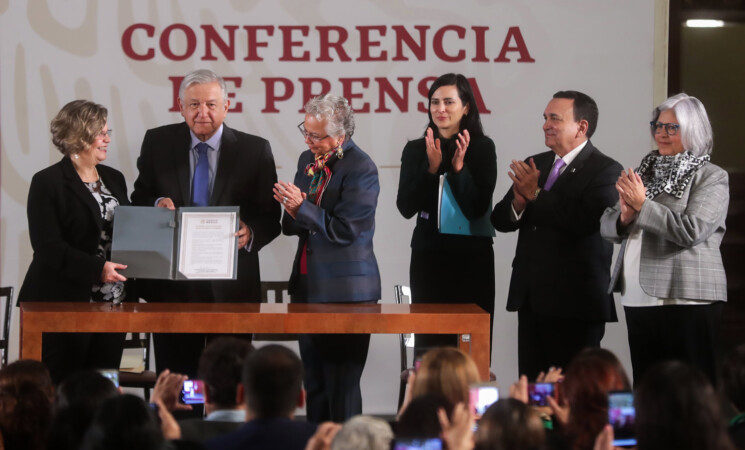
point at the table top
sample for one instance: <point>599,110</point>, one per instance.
<point>251,308</point>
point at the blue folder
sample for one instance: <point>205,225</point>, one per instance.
<point>450,219</point>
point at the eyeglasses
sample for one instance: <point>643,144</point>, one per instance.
<point>670,128</point>
<point>103,134</point>
<point>312,137</point>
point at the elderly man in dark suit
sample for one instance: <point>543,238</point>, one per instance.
<point>561,268</point>
<point>203,162</point>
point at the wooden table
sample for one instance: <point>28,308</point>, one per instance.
<point>468,321</point>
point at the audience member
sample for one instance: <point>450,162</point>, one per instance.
<point>220,368</point>
<point>77,399</point>
<point>583,408</point>
<point>363,433</point>
<point>124,422</point>
<point>420,419</point>
<point>323,436</point>
<point>445,370</point>
<point>677,408</point>
<point>26,395</point>
<point>510,424</point>
<point>733,388</point>
<point>272,386</point>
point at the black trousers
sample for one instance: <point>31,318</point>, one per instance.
<point>687,333</point>
<point>333,365</point>
<point>441,276</point>
<point>66,353</point>
<point>544,341</point>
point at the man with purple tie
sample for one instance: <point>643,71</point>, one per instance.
<point>561,269</point>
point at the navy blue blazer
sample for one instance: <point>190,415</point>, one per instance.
<point>341,262</point>
<point>562,264</point>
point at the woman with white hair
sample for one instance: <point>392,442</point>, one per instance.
<point>670,222</point>
<point>331,208</point>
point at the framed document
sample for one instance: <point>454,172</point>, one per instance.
<point>190,243</point>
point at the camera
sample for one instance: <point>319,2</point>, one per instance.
<point>539,392</point>
<point>621,416</point>
<point>418,444</point>
<point>481,396</point>
<point>192,393</point>
<point>111,374</point>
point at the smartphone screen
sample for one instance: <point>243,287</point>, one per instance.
<point>621,416</point>
<point>538,392</point>
<point>193,392</point>
<point>482,396</point>
<point>111,374</point>
<point>418,444</point>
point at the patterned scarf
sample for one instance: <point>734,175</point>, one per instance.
<point>321,175</point>
<point>670,174</point>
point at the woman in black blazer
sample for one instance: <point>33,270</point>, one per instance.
<point>70,210</point>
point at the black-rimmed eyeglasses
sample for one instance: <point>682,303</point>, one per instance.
<point>314,138</point>
<point>670,128</point>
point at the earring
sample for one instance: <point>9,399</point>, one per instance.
<point>76,156</point>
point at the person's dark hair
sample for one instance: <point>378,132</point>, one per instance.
<point>584,108</point>
<point>420,420</point>
<point>220,367</point>
<point>510,424</point>
<point>77,399</point>
<point>733,377</point>
<point>272,380</point>
<point>124,422</point>
<point>677,408</point>
<point>591,375</point>
<point>26,394</point>
<point>470,121</point>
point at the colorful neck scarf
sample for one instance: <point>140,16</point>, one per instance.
<point>321,175</point>
<point>669,173</point>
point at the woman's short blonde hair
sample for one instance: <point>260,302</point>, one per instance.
<point>76,126</point>
<point>447,371</point>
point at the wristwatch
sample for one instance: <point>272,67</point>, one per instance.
<point>535,194</point>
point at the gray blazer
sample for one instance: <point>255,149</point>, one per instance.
<point>680,245</point>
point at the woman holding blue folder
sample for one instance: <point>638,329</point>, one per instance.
<point>449,268</point>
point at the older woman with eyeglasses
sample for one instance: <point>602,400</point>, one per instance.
<point>331,208</point>
<point>71,207</point>
<point>669,221</point>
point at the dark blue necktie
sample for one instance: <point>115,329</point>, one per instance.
<point>200,193</point>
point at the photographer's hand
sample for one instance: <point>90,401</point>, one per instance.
<point>168,390</point>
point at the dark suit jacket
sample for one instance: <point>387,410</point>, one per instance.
<point>245,177</point>
<point>341,263</point>
<point>562,264</point>
<point>200,430</point>
<point>64,224</point>
<point>269,434</point>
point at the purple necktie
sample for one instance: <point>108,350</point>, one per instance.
<point>554,174</point>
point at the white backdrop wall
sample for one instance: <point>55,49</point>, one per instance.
<point>128,55</point>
